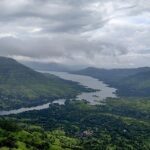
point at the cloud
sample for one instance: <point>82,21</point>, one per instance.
<point>105,33</point>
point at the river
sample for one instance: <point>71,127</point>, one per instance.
<point>103,92</point>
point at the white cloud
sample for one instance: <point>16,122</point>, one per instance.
<point>106,33</point>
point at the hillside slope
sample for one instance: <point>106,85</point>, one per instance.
<point>138,84</point>
<point>22,86</point>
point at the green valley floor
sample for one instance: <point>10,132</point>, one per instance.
<point>119,124</point>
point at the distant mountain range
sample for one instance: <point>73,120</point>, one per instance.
<point>22,86</point>
<point>129,82</point>
<point>52,66</point>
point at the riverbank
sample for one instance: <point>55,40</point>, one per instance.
<point>96,91</point>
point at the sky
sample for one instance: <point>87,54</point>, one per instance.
<point>99,33</point>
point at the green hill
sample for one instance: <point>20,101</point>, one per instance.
<point>22,86</point>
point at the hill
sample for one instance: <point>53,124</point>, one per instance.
<point>138,84</point>
<point>111,74</point>
<point>22,86</point>
<point>129,82</point>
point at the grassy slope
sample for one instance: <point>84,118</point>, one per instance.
<point>20,85</point>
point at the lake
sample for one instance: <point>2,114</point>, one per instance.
<point>94,98</point>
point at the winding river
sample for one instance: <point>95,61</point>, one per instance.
<point>103,92</point>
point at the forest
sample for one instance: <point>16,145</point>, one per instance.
<point>118,124</point>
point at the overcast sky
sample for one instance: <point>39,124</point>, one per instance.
<point>101,33</point>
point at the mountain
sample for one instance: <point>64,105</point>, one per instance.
<point>22,86</point>
<point>110,74</point>
<point>129,82</point>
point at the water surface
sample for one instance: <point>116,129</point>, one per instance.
<point>93,97</point>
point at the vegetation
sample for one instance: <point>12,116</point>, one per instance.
<point>120,124</point>
<point>116,124</point>
<point>22,86</point>
<point>28,137</point>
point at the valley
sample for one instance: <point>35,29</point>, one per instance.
<point>75,111</point>
<point>100,92</point>
<point>75,75</point>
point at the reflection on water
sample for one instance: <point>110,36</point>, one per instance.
<point>40,107</point>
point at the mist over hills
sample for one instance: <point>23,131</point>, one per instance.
<point>52,66</point>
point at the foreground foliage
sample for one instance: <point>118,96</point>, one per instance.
<point>121,124</point>
<point>27,137</point>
